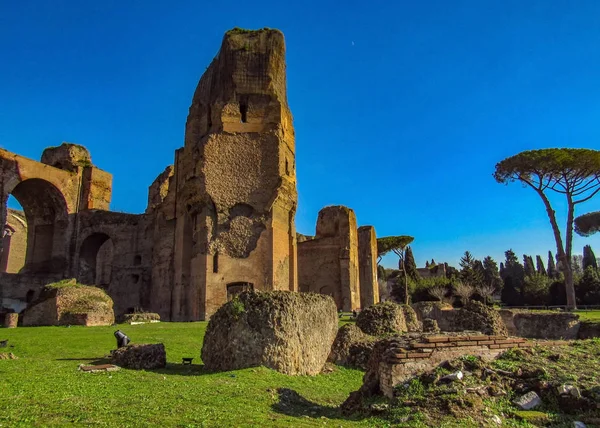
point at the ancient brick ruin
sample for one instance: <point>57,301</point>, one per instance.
<point>397,360</point>
<point>220,220</point>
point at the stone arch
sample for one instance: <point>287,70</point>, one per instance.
<point>46,214</point>
<point>95,260</point>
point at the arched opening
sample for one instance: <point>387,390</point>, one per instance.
<point>235,288</point>
<point>37,211</point>
<point>95,260</point>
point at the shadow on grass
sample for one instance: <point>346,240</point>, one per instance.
<point>293,404</point>
<point>179,369</point>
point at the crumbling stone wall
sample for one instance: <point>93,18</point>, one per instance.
<point>219,220</point>
<point>19,290</point>
<point>394,361</point>
<point>117,248</point>
<point>588,330</point>
<point>541,324</point>
<point>328,264</point>
<point>51,198</point>
<point>367,266</point>
<point>68,303</point>
<point>233,186</point>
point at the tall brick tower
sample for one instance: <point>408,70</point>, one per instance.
<point>235,180</point>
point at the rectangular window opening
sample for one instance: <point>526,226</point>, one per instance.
<point>243,111</point>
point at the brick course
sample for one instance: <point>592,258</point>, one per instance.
<point>398,364</point>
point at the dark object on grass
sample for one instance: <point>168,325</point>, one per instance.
<point>122,339</point>
<point>185,361</point>
<point>3,343</point>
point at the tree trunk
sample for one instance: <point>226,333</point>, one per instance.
<point>569,286</point>
<point>560,251</point>
<point>405,283</point>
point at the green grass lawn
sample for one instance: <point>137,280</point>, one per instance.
<point>589,315</point>
<point>44,388</point>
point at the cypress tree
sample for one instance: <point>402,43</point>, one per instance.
<point>478,273</point>
<point>491,274</point>
<point>552,272</point>
<point>470,272</point>
<point>540,265</point>
<point>513,276</point>
<point>589,258</point>
<point>528,264</point>
<point>410,265</point>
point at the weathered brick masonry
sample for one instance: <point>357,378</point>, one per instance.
<point>401,360</point>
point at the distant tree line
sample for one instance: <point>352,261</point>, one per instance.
<point>526,284</point>
<point>516,282</point>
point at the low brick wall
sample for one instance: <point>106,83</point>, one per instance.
<point>400,362</point>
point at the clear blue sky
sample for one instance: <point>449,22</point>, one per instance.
<point>401,109</point>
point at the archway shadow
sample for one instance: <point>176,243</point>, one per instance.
<point>293,404</point>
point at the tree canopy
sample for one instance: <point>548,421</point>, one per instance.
<point>397,244</point>
<point>574,173</point>
<point>588,224</point>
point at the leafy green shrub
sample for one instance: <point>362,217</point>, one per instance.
<point>140,317</point>
<point>536,289</point>
<point>421,290</point>
<point>588,287</point>
<point>237,308</point>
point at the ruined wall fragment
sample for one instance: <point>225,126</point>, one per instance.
<point>367,266</point>
<point>231,200</point>
<point>328,264</point>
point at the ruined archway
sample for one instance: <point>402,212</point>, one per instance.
<point>95,260</point>
<point>45,222</point>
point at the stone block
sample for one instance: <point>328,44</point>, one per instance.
<point>288,332</point>
<point>528,401</point>
<point>140,356</point>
